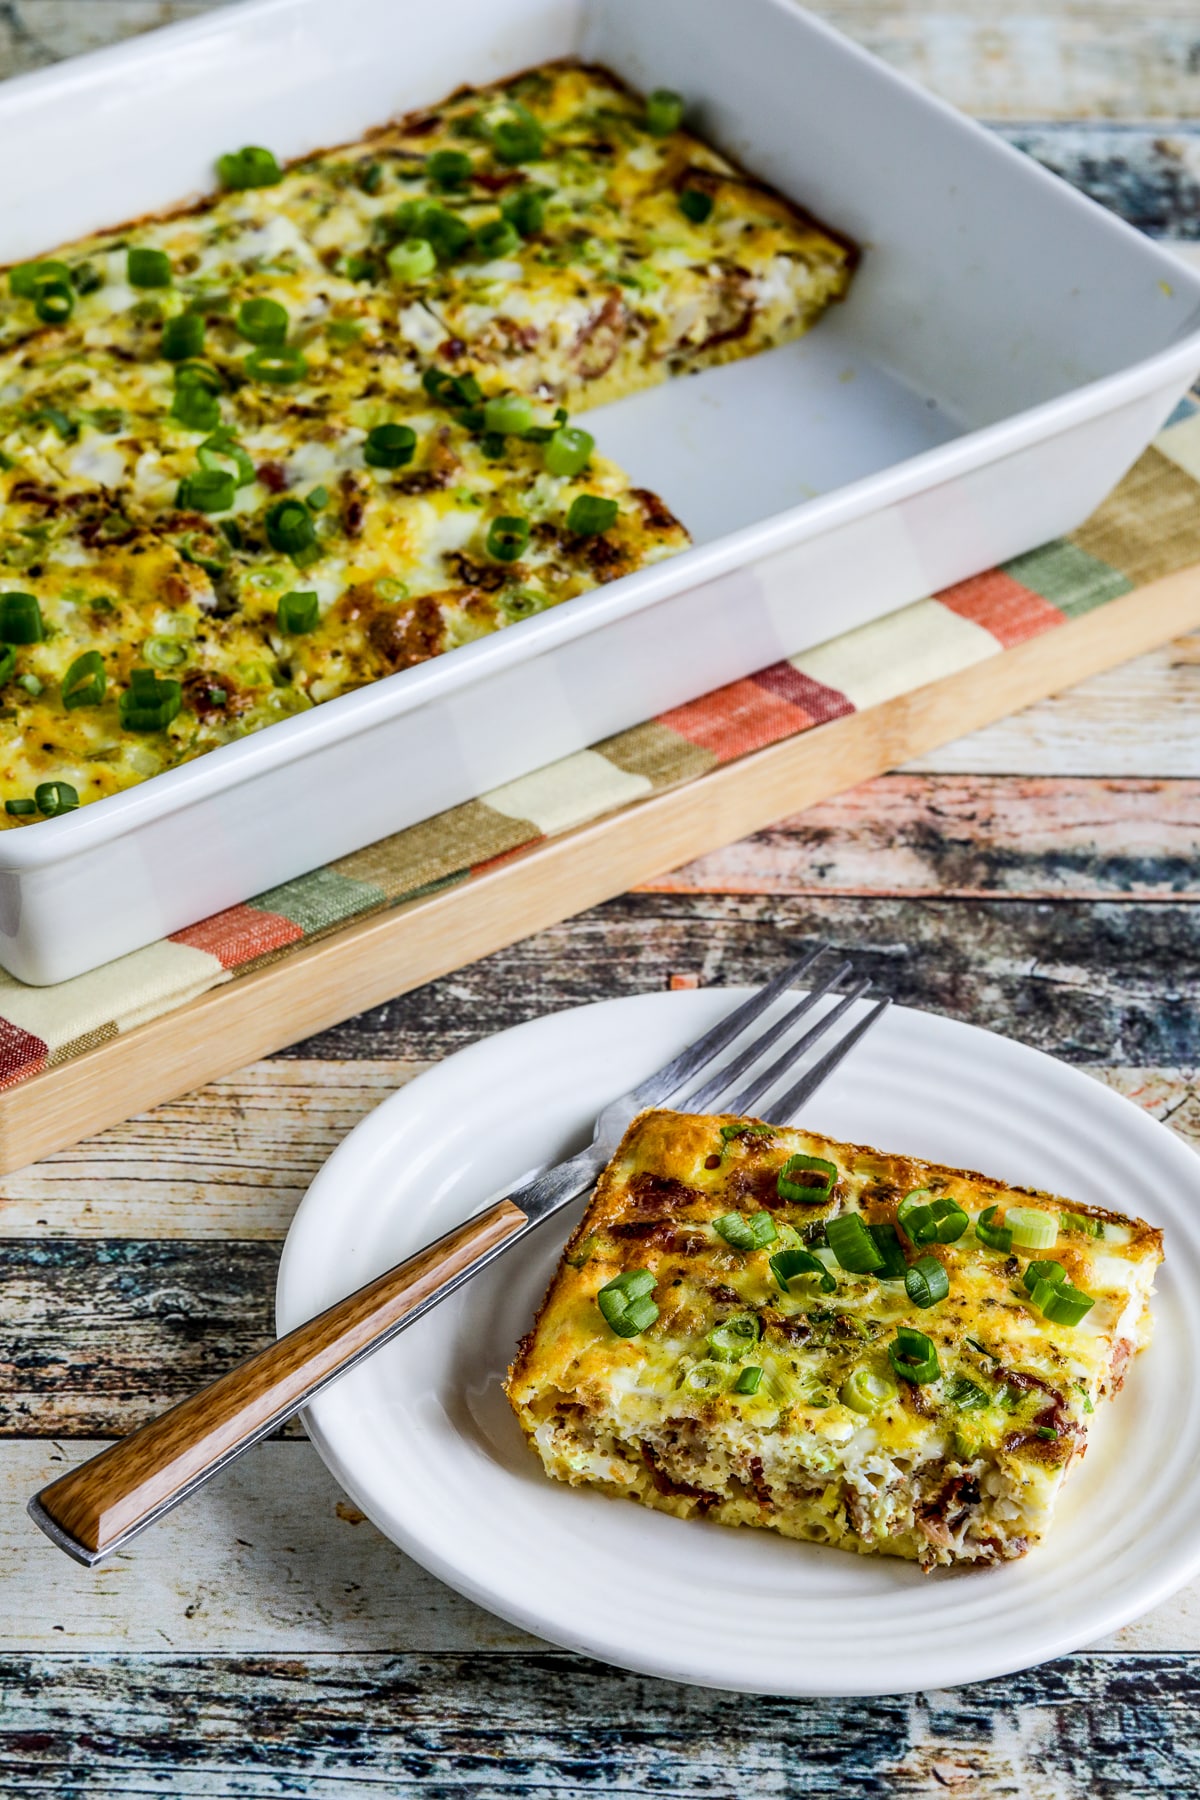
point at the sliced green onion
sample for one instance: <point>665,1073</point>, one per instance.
<point>894,1265</point>
<point>664,112</point>
<point>1031,1228</point>
<point>914,1356</point>
<point>704,1377</point>
<point>926,1282</point>
<point>20,619</point>
<point>222,447</point>
<point>590,515</point>
<point>263,321</point>
<point>195,372</point>
<point>251,167</point>
<point>463,390</point>
<point>145,268</point>
<point>733,1339</point>
<point>20,809</point>
<point>55,301</point>
<point>149,704</point>
<point>25,280</point>
<point>1061,1303</point>
<point>195,406</point>
<point>730,1132</point>
<point>316,498</point>
<point>626,1304</point>
<point>209,491</point>
<point>182,336</point>
<point>54,797</point>
<point>569,451</point>
<point>508,538</point>
<point>526,210</point>
<point>509,414</point>
<point>1053,1272</point>
<point>449,168</point>
<point>696,205</point>
<point>821,1178</point>
<point>165,652</point>
<point>370,177</point>
<point>853,1245</point>
<point>86,278</point>
<point>298,613</point>
<point>517,140</point>
<point>390,446</point>
<point>753,1233</point>
<point>413,260</point>
<point>290,527</point>
<point>279,364</point>
<point>30,683</point>
<point>866,1392</point>
<point>788,1263</point>
<point>940,1221</point>
<point>85,681</point>
<point>996,1237</point>
<point>8,662</point>
<point>749,1381</point>
<point>1078,1222</point>
<point>499,237</point>
<point>967,1395</point>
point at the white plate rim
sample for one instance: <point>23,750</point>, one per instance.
<point>1096,1617</point>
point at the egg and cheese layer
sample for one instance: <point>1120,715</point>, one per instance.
<point>752,1400</point>
<point>391,336</point>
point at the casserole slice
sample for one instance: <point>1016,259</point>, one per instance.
<point>762,1327</point>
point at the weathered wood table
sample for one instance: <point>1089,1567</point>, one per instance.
<point>1039,878</point>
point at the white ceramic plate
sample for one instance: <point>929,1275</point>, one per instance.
<point>422,1437</point>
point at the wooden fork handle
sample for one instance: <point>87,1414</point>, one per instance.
<point>99,1505</point>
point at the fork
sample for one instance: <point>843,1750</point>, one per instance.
<point>98,1507</point>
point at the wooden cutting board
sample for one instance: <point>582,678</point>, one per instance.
<point>388,954</point>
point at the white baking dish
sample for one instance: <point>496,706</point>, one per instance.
<point>1007,351</point>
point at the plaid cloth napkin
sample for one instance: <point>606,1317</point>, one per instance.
<point>1149,527</point>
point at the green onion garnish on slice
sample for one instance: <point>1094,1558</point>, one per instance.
<point>894,1266</point>
<point>20,809</point>
<point>938,1221</point>
<point>517,140</point>
<point>786,1264</point>
<point>526,210</point>
<point>664,112</point>
<point>696,205</point>
<point>369,177</point>
<point>20,619</point>
<point>1031,1228</point>
<point>926,1282</point>
<point>509,414</point>
<point>221,448</point>
<point>25,280</point>
<point>85,681</point>
<point>278,364</point>
<point>54,301</point>
<point>967,1395</point>
<point>996,1237</point>
<point>449,169</point>
<point>165,652</point>
<point>749,1381</point>
<point>263,321</point>
<point>298,613</point>
<point>316,498</point>
<point>569,451</point>
<point>1036,1271</point>
<point>1061,1303</point>
<point>8,662</point>
<point>853,1245</point>
<point>753,1233</point>
<point>251,167</point>
<point>1046,1431</point>
<point>704,1377</point>
<point>499,237</point>
<point>866,1392</point>
<point>807,1178</point>
<point>730,1132</point>
<point>146,268</point>
<point>30,683</point>
<point>734,1338</point>
<point>208,491</point>
<point>290,527</point>
<point>390,446</point>
<point>86,278</point>
<point>54,797</point>
<point>195,406</point>
<point>508,538</point>
<point>148,703</point>
<point>1078,1222</point>
<point>413,260</point>
<point>462,390</point>
<point>626,1304</point>
<point>914,1356</point>
<point>590,515</point>
<point>182,336</point>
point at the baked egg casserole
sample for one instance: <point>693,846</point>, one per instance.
<point>316,428</point>
<point>759,1326</point>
